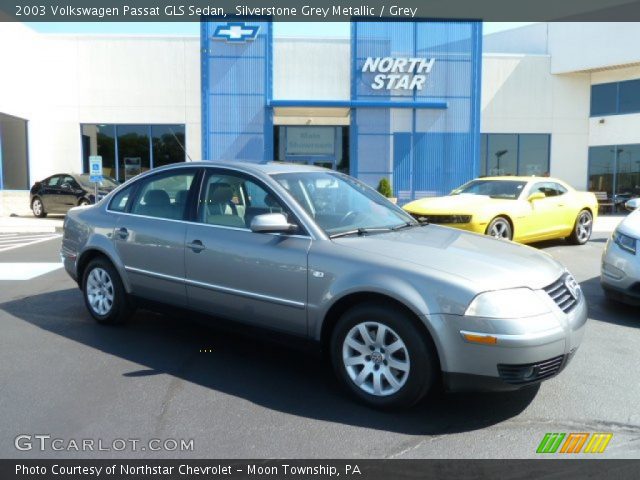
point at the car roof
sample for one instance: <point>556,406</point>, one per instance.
<point>269,168</point>
<point>522,178</point>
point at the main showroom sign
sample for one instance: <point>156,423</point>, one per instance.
<point>398,73</point>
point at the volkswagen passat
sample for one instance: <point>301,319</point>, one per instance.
<point>397,305</point>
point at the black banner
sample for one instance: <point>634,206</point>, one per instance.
<point>329,10</point>
<point>317,469</point>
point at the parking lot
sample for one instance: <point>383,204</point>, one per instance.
<point>237,396</point>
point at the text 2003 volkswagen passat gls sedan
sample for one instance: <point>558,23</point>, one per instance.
<point>315,253</point>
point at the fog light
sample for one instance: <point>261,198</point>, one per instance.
<point>529,373</point>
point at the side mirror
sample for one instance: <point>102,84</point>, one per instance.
<point>536,196</point>
<point>271,223</point>
<point>632,204</point>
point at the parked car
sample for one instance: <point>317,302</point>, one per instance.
<point>58,193</point>
<point>317,254</point>
<point>523,209</point>
<point>620,276</point>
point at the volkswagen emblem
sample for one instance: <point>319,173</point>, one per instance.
<point>572,286</point>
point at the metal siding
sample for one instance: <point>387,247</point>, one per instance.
<point>433,150</point>
<point>236,84</point>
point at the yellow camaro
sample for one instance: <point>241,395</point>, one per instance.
<point>523,209</point>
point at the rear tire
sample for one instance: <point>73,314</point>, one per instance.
<point>500,228</point>
<point>582,229</point>
<point>396,366</point>
<point>104,294</point>
<point>83,202</point>
<point>37,207</point>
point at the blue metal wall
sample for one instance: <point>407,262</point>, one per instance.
<point>425,150</point>
<point>236,88</point>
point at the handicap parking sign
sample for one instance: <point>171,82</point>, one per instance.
<point>95,169</point>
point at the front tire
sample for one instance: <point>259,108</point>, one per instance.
<point>382,358</point>
<point>104,294</point>
<point>37,207</point>
<point>582,229</point>
<point>500,228</point>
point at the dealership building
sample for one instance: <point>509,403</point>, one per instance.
<point>428,105</point>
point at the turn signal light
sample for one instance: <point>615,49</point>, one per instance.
<point>483,339</point>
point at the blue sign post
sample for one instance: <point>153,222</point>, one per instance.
<point>95,173</point>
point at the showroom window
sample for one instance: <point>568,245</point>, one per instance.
<point>615,169</point>
<point>615,98</point>
<point>514,154</point>
<point>128,150</point>
<point>323,146</point>
<point>14,158</point>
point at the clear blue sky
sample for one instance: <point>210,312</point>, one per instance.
<point>329,29</point>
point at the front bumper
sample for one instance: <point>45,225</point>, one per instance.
<point>526,352</point>
<point>620,274</point>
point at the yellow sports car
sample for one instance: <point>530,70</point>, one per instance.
<point>523,209</point>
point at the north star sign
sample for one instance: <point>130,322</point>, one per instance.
<point>398,73</point>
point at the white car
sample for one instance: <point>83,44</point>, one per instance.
<point>620,277</point>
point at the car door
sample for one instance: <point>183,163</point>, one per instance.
<point>546,214</point>
<point>149,235</point>
<point>69,193</point>
<point>257,278</point>
<point>50,192</point>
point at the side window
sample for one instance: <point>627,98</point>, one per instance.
<point>120,199</point>
<point>547,188</point>
<point>233,201</point>
<point>164,195</point>
<point>68,180</point>
<point>559,189</point>
<point>54,181</point>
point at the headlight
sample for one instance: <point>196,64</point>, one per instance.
<point>512,303</point>
<point>625,242</point>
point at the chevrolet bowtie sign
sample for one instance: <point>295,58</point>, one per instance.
<point>236,32</point>
<point>398,73</point>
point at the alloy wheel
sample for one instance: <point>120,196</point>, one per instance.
<point>584,226</point>
<point>376,358</point>
<point>37,207</point>
<point>499,229</point>
<point>100,291</point>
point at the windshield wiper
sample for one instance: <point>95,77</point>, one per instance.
<point>360,231</point>
<point>409,225</point>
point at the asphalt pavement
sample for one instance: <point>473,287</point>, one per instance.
<point>165,376</point>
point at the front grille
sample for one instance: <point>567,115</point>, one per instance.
<point>447,219</point>
<point>562,295</point>
<point>531,372</point>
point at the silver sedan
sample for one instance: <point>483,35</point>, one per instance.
<point>397,305</point>
<point>620,277</point>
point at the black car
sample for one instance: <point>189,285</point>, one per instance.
<point>58,193</point>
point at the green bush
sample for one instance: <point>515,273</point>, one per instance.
<point>384,187</point>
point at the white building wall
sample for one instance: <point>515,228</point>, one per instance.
<point>519,95</point>
<point>61,81</point>
<point>311,69</point>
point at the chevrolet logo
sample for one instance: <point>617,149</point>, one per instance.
<point>236,32</point>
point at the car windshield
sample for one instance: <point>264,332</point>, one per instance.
<point>340,204</point>
<point>507,189</point>
<point>107,182</point>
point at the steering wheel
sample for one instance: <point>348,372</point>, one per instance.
<point>350,214</point>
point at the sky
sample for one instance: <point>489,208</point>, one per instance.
<point>313,29</point>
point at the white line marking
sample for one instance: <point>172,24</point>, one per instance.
<point>4,249</point>
<point>26,271</point>
<point>27,238</point>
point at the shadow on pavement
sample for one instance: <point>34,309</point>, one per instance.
<point>604,310</point>
<point>266,373</point>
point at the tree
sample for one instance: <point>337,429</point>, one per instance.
<point>384,187</point>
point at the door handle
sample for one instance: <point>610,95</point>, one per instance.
<point>122,233</point>
<point>197,246</point>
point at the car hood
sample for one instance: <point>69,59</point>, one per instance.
<point>631,224</point>
<point>486,263</point>
<point>455,204</point>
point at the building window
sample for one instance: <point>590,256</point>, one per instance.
<point>615,98</point>
<point>615,169</point>
<point>514,154</point>
<point>14,159</point>
<point>128,150</point>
